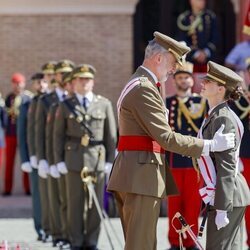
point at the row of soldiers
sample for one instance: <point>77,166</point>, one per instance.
<point>65,127</point>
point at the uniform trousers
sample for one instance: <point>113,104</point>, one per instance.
<point>229,237</point>
<point>63,206</point>
<point>139,215</point>
<point>36,203</point>
<point>246,173</point>
<point>44,196</point>
<point>188,203</point>
<point>11,146</point>
<point>54,208</point>
<point>84,228</point>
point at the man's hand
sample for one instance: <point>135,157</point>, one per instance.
<point>221,219</point>
<point>54,172</point>
<point>43,169</point>
<point>33,161</point>
<point>222,142</point>
<point>26,167</point>
<point>62,168</point>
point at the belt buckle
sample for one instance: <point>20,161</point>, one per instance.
<point>85,140</point>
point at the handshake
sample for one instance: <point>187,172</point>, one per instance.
<point>221,219</point>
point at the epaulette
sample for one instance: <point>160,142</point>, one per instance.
<point>28,93</point>
<point>211,13</point>
<point>143,79</point>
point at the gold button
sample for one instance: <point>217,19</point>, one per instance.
<point>68,147</point>
<point>152,161</point>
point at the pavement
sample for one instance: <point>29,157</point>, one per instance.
<point>16,228</point>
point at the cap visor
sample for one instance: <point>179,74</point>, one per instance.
<point>84,75</point>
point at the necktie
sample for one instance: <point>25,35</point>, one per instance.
<point>85,102</point>
<point>158,84</point>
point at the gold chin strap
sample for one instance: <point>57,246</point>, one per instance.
<point>216,78</point>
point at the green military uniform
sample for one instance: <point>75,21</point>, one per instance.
<point>42,108</point>
<point>73,149</point>
<point>62,67</point>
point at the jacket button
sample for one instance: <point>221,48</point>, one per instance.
<point>68,147</point>
<point>152,161</point>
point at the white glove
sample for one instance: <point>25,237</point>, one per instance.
<point>62,168</point>
<point>221,219</point>
<point>43,169</point>
<point>108,168</point>
<point>33,161</point>
<point>26,167</point>
<point>54,171</point>
<point>221,141</point>
<point>240,165</point>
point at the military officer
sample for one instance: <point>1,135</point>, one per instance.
<point>186,113</point>
<point>40,86</point>
<point>140,177</point>
<point>42,107</point>
<point>226,190</point>
<point>61,68</point>
<point>198,28</point>
<point>85,135</point>
<point>12,103</point>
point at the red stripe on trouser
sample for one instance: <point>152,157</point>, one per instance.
<point>10,152</point>
<point>246,173</point>
<point>187,203</point>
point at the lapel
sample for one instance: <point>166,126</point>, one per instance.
<point>77,105</point>
<point>214,111</point>
<point>91,104</point>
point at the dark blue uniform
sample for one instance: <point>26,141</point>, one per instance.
<point>199,32</point>
<point>185,117</point>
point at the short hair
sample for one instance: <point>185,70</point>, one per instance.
<point>153,48</point>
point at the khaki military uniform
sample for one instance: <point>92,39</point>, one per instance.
<point>140,179</point>
<point>68,134</point>
<point>232,192</point>
<point>43,105</point>
<point>53,189</point>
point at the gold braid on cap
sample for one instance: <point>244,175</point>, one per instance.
<point>216,78</point>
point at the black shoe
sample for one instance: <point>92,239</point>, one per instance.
<point>76,248</point>
<point>65,245</point>
<point>39,237</point>
<point>90,248</point>
<point>192,248</point>
<point>56,243</point>
<point>6,193</point>
<point>174,248</point>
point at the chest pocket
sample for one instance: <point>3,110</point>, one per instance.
<point>97,118</point>
<point>149,158</point>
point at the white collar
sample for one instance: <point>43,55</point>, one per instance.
<point>60,93</point>
<point>151,73</point>
<point>89,96</point>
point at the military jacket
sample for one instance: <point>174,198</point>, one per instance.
<point>231,189</point>
<point>22,127</point>
<point>44,102</point>
<point>242,109</point>
<point>69,134</point>
<point>31,126</point>
<point>185,117</point>
<point>143,113</point>
<point>199,34</point>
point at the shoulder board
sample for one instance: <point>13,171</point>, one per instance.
<point>211,13</point>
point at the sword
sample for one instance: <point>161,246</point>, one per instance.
<point>186,228</point>
<point>88,181</point>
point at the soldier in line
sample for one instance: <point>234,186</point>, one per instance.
<point>12,103</point>
<point>42,107</point>
<point>198,28</point>
<point>61,68</point>
<point>85,137</point>
<point>186,113</point>
<point>140,178</point>
<point>27,136</point>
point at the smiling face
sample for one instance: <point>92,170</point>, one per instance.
<point>183,81</point>
<point>211,89</point>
